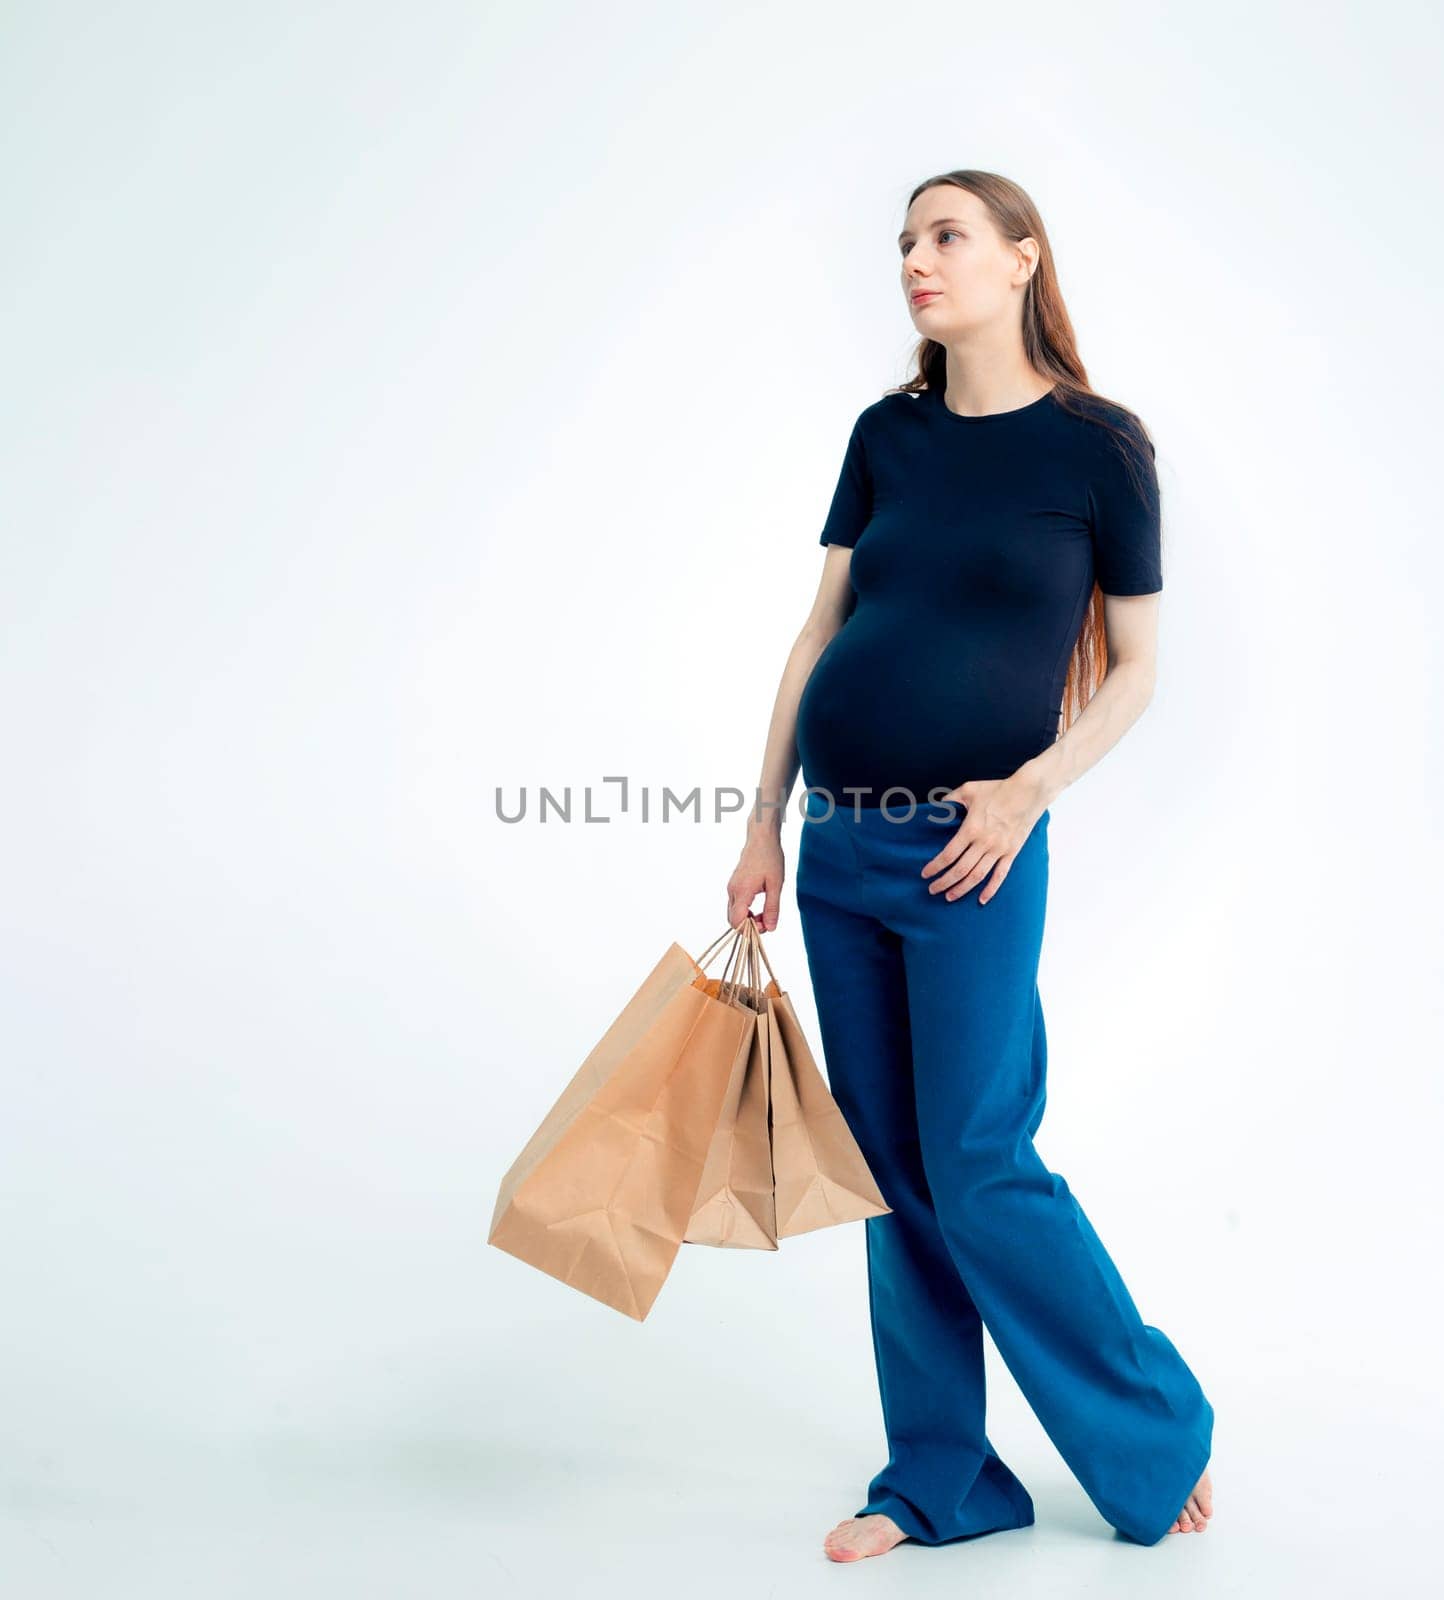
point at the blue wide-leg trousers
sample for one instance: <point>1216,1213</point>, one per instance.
<point>932,1033</point>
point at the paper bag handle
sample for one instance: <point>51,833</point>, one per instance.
<point>741,964</point>
<point>747,943</point>
<point>754,933</point>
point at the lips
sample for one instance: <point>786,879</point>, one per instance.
<point>926,295</point>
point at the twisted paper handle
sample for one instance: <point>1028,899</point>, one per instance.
<point>741,960</point>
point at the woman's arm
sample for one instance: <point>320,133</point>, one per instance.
<point>1001,811</point>
<point>1131,622</point>
<point>760,868</point>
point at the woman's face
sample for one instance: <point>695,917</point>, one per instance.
<point>954,256</point>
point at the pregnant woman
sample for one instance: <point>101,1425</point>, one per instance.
<point>983,633</point>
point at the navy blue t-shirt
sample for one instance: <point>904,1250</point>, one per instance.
<point>976,544</point>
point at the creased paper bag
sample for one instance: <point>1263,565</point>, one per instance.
<point>602,1193</point>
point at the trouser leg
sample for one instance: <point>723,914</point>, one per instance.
<point>943,1479</point>
<point>1113,1393</point>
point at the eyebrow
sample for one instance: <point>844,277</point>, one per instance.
<point>937,222</point>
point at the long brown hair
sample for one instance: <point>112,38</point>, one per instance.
<point>1051,349</point>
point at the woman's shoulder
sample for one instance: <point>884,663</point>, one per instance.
<point>1090,413</point>
<point>896,405</point>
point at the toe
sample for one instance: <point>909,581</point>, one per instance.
<point>836,1545</point>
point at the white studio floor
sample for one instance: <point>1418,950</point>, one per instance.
<point>1305,1495</point>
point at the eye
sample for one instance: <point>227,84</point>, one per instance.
<point>947,231</point>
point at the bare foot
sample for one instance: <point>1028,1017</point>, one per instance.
<point>856,1537</point>
<point>1195,1514</point>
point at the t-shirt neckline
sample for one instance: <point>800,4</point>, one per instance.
<point>942,406</point>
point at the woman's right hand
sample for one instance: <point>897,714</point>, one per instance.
<point>760,870</point>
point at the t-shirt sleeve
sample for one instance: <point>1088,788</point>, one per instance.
<point>1125,515</point>
<point>851,508</point>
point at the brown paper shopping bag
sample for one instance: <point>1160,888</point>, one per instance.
<point>735,1207</point>
<point>819,1175</point>
<point>602,1193</point>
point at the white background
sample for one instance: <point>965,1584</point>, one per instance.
<point>404,403</point>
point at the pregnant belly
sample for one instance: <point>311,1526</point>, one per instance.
<point>884,705</point>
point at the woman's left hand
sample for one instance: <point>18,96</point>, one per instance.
<point>1000,816</point>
